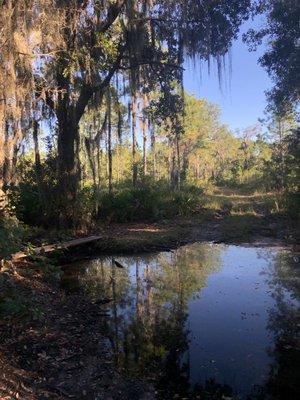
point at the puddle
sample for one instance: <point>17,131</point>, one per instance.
<point>207,321</point>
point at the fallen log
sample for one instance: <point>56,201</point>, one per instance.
<point>55,247</point>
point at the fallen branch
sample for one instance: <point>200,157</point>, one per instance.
<point>55,247</point>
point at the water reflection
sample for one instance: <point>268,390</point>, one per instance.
<point>206,321</point>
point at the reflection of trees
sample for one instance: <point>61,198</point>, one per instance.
<point>284,379</point>
<point>149,311</point>
<point>283,382</point>
<point>155,340</point>
<point>153,333</point>
<point>148,328</point>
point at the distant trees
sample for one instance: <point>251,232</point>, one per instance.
<point>282,169</point>
<point>206,154</point>
<point>281,32</point>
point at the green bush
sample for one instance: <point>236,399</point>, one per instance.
<point>26,202</point>
<point>31,204</point>
<point>149,201</point>
<point>291,205</point>
<point>85,206</point>
<point>11,236</point>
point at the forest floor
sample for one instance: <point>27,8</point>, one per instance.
<point>225,216</point>
<point>53,345</point>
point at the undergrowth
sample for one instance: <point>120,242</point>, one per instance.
<point>17,301</point>
<point>149,202</point>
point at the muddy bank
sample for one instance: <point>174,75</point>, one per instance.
<point>167,235</point>
<point>54,346</point>
<point>224,217</point>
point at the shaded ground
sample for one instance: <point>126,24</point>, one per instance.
<point>53,346</point>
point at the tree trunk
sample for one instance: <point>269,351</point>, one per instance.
<point>89,146</point>
<point>134,142</point>
<point>144,132</point>
<point>109,144</point>
<point>153,150</point>
<point>118,162</point>
<point>185,163</point>
<point>178,164</point>
<point>68,164</point>
<point>282,158</point>
<point>99,159</point>
<point>10,147</point>
<point>2,142</point>
<point>145,125</point>
<point>38,167</point>
<point>68,115</point>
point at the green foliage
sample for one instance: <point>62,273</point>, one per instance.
<point>282,172</point>
<point>26,202</point>
<point>149,201</point>
<point>35,203</point>
<point>210,155</point>
<point>11,235</point>
<point>289,203</point>
<point>85,205</point>
<point>281,58</point>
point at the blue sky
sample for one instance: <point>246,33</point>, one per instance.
<point>241,99</point>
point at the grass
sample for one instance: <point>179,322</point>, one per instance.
<point>245,215</point>
<point>238,217</point>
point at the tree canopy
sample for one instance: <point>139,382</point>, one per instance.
<point>59,57</point>
<point>281,32</point>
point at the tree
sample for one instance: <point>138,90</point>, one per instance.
<point>282,58</point>
<point>282,169</point>
<point>81,45</point>
<point>146,38</point>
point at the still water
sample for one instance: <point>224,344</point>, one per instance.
<point>207,321</point>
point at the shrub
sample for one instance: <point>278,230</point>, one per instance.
<point>291,205</point>
<point>149,201</point>
<point>11,236</point>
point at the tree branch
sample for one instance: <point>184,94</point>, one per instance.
<point>153,63</point>
<point>88,90</point>
<point>112,14</point>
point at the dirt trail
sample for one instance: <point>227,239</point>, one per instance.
<point>227,216</point>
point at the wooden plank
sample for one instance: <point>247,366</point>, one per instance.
<point>57,246</point>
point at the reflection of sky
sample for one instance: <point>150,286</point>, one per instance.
<point>228,323</point>
<point>241,98</point>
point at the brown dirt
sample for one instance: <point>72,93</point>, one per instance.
<point>62,354</point>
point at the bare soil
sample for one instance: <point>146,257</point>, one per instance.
<point>63,352</point>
